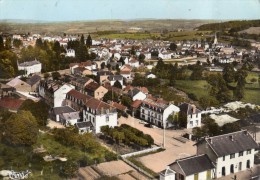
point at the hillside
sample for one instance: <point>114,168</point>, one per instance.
<point>233,26</point>
<point>85,27</point>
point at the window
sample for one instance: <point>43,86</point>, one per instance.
<point>107,118</point>
<point>223,158</point>
<point>142,110</point>
<point>232,156</point>
<point>248,151</point>
<point>240,154</point>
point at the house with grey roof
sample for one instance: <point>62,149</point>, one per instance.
<point>30,67</point>
<point>192,113</point>
<point>216,157</point>
<point>230,153</point>
<point>193,167</point>
<point>113,78</point>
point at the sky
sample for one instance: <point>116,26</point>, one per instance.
<point>85,10</point>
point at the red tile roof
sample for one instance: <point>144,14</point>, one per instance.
<point>119,106</point>
<point>136,103</point>
<point>11,103</point>
<point>92,86</point>
<point>79,95</point>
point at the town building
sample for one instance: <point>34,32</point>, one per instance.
<point>230,153</point>
<point>30,67</point>
<point>156,111</point>
<point>191,168</point>
<point>95,90</point>
<point>192,113</point>
<point>99,114</point>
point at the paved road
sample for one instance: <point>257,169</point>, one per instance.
<point>174,149</point>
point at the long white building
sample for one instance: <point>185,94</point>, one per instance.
<point>156,111</point>
<point>30,67</point>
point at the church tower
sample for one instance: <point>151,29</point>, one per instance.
<point>215,40</point>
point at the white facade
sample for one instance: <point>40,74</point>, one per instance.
<point>152,76</point>
<point>60,94</point>
<point>165,55</point>
<point>99,120</point>
<point>158,116</point>
<point>70,53</point>
<point>30,67</point>
<point>240,162</point>
<point>193,120</point>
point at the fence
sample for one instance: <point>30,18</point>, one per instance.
<point>140,152</point>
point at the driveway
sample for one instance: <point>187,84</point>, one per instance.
<point>174,149</point>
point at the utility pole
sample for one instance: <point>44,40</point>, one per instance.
<point>163,135</point>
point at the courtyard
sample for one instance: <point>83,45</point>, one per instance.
<point>174,149</point>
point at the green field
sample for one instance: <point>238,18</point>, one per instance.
<point>170,36</point>
<point>200,88</point>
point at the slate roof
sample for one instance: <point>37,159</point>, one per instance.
<point>231,143</point>
<point>29,63</point>
<point>62,109</point>
<point>133,92</point>
<point>80,125</point>
<point>189,108</point>
<point>192,165</point>
<point>70,115</point>
<point>33,80</point>
<point>115,77</point>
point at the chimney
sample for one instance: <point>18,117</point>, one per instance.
<point>193,108</point>
<point>231,137</point>
<point>246,133</point>
<point>210,141</point>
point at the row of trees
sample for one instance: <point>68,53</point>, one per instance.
<point>211,128</point>
<point>128,135</point>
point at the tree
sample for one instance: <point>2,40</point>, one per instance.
<point>126,100</point>
<point>118,84</point>
<point>110,96</point>
<point>1,43</point>
<point>55,75</point>
<point>56,48</point>
<point>240,78</point>
<point>17,43</point>
<point>8,43</point>
<point>39,110</point>
<point>82,40</point>
<point>89,41</point>
<point>103,65</point>
<point>6,68</point>
<point>141,58</point>
<point>70,169</point>
<point>182,119</point>
<point>229,73</point>
<point>39,43</point>
<point>21,129</point>
<point>219,88</point>
<point>173,47</point>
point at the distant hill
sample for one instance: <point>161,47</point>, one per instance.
<point>233,26</point>
<point>85,27</point>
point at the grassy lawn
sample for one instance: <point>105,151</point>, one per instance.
<point>200,88</point>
